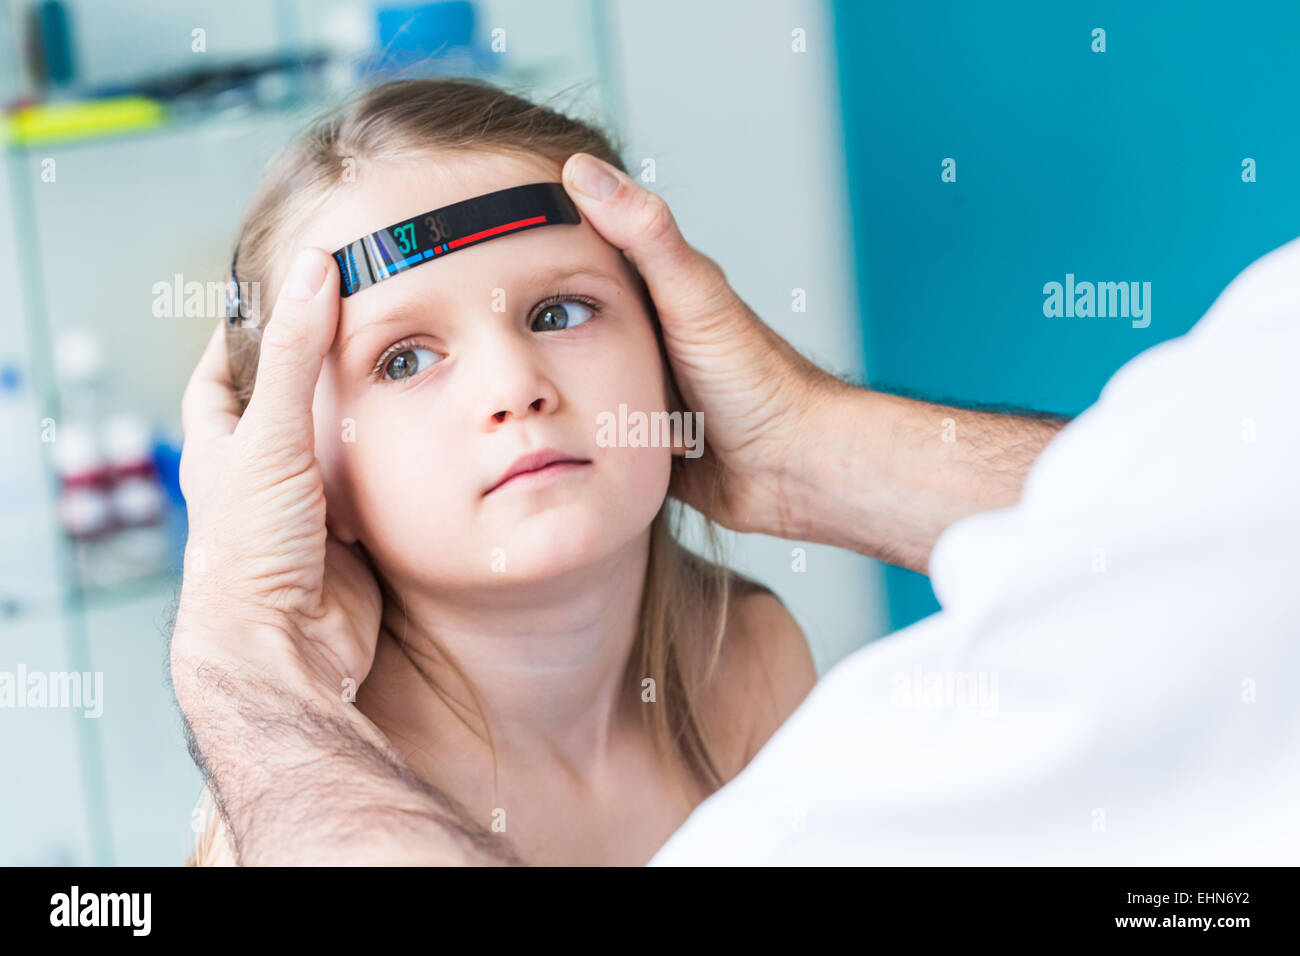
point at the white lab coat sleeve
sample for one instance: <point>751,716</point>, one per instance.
<point>1113,678</point>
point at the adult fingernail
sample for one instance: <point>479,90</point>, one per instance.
<point>306,277</point>
<point>594,177</point>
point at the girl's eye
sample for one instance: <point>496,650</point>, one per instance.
<point>561,315</point>
<point>408,362</point>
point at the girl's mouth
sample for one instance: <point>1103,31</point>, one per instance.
<point>537,468</point>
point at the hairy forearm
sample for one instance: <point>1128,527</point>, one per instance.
<point>887,475</point>
<point>301,777</point>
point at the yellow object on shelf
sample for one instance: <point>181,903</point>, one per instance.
<point>82,119</point>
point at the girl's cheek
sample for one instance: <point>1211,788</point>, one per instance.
<point>410,464</point>
<point>325,415</point>
<point>337,477</point>
<point>628,371</point>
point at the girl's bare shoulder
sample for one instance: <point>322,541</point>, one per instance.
<point>765,672</point>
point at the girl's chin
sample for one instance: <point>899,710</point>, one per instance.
<point>539,547</point>
<point>536,553</point>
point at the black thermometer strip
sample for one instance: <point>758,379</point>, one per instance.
<point>432,235</point>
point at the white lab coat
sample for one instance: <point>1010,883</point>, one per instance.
<point>1136,622</point>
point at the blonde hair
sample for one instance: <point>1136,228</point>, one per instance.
<point>687,600</point>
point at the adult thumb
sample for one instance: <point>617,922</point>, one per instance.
<point>294,343</point>
<point>687,286</point>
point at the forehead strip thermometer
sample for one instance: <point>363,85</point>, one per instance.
<point>432,235</point>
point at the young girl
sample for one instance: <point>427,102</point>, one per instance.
<point>550,657</point>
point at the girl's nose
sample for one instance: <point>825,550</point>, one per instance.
<point>536,405</point>
<point>517,386</point>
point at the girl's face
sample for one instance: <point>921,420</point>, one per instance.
<point>439,379</point>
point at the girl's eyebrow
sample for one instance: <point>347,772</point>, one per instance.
<point>406,311</point>
<point>413,309</point>
<point>563,273</point>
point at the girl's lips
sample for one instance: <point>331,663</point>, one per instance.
<point>540,476</point>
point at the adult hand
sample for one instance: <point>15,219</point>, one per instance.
<point>259,558</point>
<point>755,391</point>
<point>276,615</point>
<point>795,451</point>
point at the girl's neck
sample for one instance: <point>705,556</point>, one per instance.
<point>546,662</point>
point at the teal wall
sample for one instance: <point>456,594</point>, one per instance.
<point>1117,166</point>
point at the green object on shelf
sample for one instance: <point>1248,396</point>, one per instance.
<point>82,119</point>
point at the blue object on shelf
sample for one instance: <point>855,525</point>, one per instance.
<point>167,459</point>
<point>56,43</point>
<point>427,33</point>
